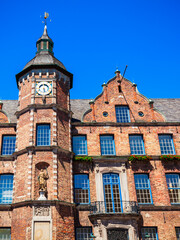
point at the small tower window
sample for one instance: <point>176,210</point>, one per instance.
<point>43,135</point>
<point>44,45</point>
<point>119,88</point>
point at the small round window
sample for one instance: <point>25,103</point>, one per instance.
<point>141,114</point>
<point>105,114</point>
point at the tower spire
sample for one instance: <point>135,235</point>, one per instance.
<point>45,43</point>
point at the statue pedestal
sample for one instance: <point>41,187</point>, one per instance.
<point>42,195</point>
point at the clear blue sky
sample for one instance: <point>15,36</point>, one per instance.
<point>91,38</point>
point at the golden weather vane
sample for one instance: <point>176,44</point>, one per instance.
<point>46,15</point>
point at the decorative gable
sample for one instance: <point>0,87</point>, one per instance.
<point>119,101</point>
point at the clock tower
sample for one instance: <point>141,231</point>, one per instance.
<point>43,194</point>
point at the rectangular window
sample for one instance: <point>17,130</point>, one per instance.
<point>81,189</point>
<point>43,135</point>
<point>166,144</point>
<point>136,144</point>
<point>173,183</point>
<point>8,145</point>
<point>149,233</point>
<point>143,189</point>
<point>83,233</point>
<point>112,192</point>
<point>107,145</point>
<point>6,188</point>
<point>178,233</point>
<point>122,114</point>
<point>80,145</point>
<point>5,234</point>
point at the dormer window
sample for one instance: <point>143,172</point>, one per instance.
<point>122,114</point>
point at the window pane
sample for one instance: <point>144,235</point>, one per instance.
<point>81,188</point>
<point>149,233</point>
<point>112,192</point>
<point>166,144</point>
<point>122,114</point>
<point>143,190</point>
<point>5,233</point>
<point>43,135</point>
<point>136,144</point>
<point>173,183</point>
<point>79,145</point>
<point>83,233</point>
<point>8,145</point>
<point>178,233</point>
<point>107,145</point>
<point>6,189</point>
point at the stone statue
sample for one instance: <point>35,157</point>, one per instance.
<point>42,178</point>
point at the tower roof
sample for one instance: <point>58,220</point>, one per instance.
<point>44,54</point>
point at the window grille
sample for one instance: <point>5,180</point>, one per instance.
<point>143,189</point>
<point>136,144</point>
<point>43,135</point>
<point>107,145</point>
<point>177,233</point>
<point>173,183</point>
<point>81,188</point>
<point>80,145</point>
<point>6,189</point>
<point>8,145</point>
<point>149,233</point>
<point>112,192</point>
<point>5,234</point>
<point>83,233</point>
<point>166,144</point>
<point>122,114</point>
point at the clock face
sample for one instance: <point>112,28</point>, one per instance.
<point>43,88</point>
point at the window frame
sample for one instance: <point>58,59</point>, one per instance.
<point>173,188</point>
<point>5,228</point>
<point>112,194</point>
<point>113,144</point>
<point>143,188</point>
<point>2,146</point>
<point>37,134</point>
<point>156,232</point>
<point>142,143</point>
<point>172,144</point>
<point>90,228</point>
<point>82,188</point>
<point>2,189</point>
<point>85,142</point>
<point>128,113</point>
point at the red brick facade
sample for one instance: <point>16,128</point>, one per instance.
<point>63,216</point>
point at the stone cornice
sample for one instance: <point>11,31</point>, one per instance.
<point>42,106</point>
<point>33,149</point>
<point>175,207</point>
<point>30,203</point>
<point>113,216</point>
<point>115,158</point>
<point>7,125</point>
<point>130,124</point>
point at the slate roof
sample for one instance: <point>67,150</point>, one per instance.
<point>170,107</point>
<point>44,58</point>
<point>10,107</point>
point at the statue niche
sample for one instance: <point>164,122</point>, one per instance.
<point>42,176</point>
